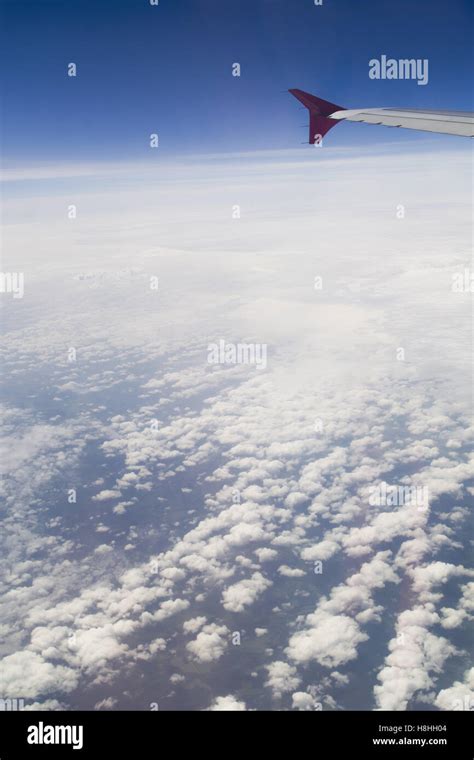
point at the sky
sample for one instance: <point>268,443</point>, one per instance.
<point>202,534</point>
<point>167,69</point>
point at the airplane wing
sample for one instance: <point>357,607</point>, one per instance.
<point>325,115</point>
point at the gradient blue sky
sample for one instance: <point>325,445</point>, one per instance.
<point>167,69</point>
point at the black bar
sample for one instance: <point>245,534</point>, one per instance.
<point>154,734</point>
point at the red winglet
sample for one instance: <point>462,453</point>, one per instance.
<point>319,110</point>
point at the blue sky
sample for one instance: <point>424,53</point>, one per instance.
<point>167,69</point>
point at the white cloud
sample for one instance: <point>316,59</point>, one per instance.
<point>158,645</point>
<point>282,678</point>
<point>415,656</point>
<point>459,696</point>
<point>244,593</point>
<point>303,701</point>
<point>210,643</point>
<point>109,703</point>
<point>291,572</point>
<point>170,607</point>
<point>107,494</point>
<point>194,624</point>
<point>227,704</point>
<point>323,550</point>
<point>26,674</point>
<point>331,640</point>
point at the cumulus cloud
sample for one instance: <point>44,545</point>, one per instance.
<point>210,643</point>
<point>194,624</point>
<point>107,494</point>
<point>331,640</point>
<point>459,696</point>
<point>321,551</point>
<point>244,593</point>
<point>303,701</point>
<point>331,636</point>
<point>27,674</point>
<point>265,554</point>
<point>109,703</point>
<point>169,608</point>
<point>282,677</point>
<point>227,704</point>
<point>291,572</point>
<point>415,656</point>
